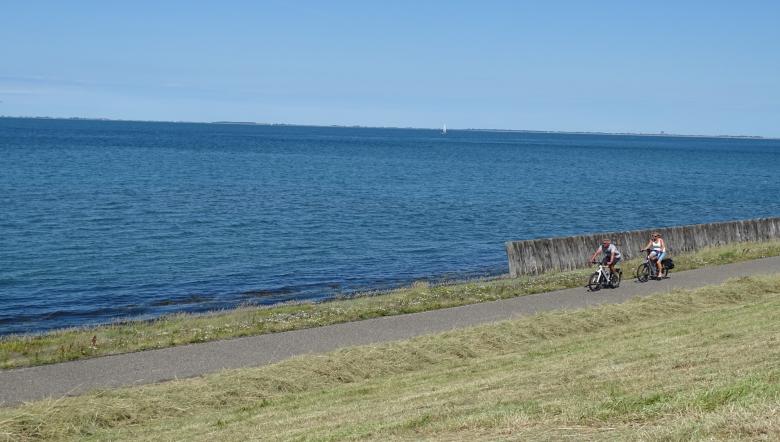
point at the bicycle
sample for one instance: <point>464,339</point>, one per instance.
<point>603,278</point>
<point>648,269</point>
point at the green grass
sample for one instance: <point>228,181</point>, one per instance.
<point>179,329</point>
<point>688,365</point>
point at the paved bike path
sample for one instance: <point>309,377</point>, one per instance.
<point>71,378</point>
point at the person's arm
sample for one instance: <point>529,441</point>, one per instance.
<point>649,245</point>
<point>663,246</point>
<point>611,258</point>
<point>593,258</point>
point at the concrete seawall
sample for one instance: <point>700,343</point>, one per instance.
<point>567,253</point>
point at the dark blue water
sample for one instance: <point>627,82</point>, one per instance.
<point>107,220</point>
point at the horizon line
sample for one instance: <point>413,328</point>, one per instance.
<point>357,126</point>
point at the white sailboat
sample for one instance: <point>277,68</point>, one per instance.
<point>444,130</point>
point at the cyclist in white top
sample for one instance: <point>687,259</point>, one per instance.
<point>611,253</point>
<point>657,245</point>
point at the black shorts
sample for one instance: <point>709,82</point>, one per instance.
<point>605,260</point>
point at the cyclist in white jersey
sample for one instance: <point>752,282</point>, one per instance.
<point>657,245</point>
<point>611,253</point>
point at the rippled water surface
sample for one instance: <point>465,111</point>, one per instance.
<point>104,220</point>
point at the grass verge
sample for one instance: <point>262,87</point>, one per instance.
<point>179,329</point>
<point>689,365</point>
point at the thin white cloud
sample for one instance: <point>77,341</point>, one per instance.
<point>15,91</point>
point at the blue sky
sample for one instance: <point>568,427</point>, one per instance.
<point>684,67</point>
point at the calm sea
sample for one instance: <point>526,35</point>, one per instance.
<point>106,220</point>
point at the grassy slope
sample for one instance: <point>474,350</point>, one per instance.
<point>687,365</point>
<point>65,345</point>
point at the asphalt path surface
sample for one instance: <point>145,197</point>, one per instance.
<point>76,377</point>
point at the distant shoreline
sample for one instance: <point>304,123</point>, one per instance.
<point>530,131</point>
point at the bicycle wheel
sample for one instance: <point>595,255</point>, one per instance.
<point>614,280</point>
<point>643,272</point>
<point>594,282</point>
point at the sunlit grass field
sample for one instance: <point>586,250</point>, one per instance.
<point>688,365</point>
<point>71,344</point>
